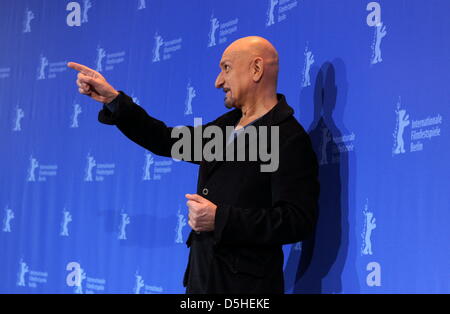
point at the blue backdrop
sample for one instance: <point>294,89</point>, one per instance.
<point>84,210</point>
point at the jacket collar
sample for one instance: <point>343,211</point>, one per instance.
<point>280,112</point>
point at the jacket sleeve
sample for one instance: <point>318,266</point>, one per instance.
<point>146,131</point>
<point>292,216</point>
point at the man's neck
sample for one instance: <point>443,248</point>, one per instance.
<point>255,109</point>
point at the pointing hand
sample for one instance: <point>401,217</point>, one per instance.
<point>93,84</point>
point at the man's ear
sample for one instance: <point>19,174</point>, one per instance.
<point>258,69</point>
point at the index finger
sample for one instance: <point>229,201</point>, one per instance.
<point>81,68</point>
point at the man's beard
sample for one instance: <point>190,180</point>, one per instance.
<point>228,103</point>
<point>228,106</point>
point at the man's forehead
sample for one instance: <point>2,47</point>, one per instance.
<point>228,56</point>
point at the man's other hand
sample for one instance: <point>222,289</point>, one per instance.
<point>202,213</point>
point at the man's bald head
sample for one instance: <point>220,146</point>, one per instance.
<point>249,66</point>
<point>254,46</point>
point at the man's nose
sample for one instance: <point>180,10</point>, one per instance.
<point>219,81</point>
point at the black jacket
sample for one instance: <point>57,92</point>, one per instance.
<point>257,211</point>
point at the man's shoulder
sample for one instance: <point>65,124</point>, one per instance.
<point>291,127</point>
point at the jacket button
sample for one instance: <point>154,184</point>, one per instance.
<point>205,191</point>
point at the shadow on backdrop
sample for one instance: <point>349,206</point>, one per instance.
<point>315,266</point>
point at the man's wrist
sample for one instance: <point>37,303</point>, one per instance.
<point>112,103</point>
<point>112,97</point>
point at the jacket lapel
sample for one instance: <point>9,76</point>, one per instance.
<point>229,119</point>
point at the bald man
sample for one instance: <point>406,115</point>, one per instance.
<point>241,216</point>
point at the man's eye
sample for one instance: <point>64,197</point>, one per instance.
<point>227,67</point>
